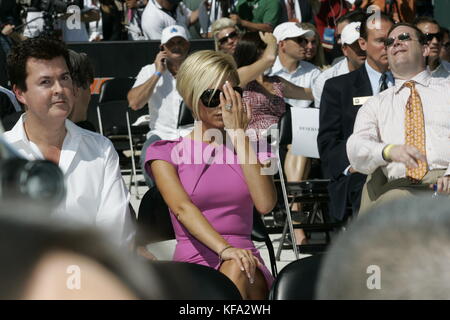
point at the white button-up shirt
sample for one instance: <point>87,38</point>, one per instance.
<point>375,76</point>
<point>380,121</point>
<point>95,192</point>
<point>304,76</point>
<point>163,105</point>
<point>154,19</point>
<point>338,69</point>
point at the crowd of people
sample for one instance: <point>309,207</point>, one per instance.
<point>382,91</point>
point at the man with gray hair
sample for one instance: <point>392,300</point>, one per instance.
<point>398,251</point>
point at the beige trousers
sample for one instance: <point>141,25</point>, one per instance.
<point>377,190</point>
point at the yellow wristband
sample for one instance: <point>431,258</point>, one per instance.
<point>387,152</point>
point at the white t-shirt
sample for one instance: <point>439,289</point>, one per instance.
<point>154,19</point>
<point>304,76</point>
<point>163,105</point>
<point>95,192</point>
<point>338,69</point>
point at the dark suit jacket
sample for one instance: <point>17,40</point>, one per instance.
<point>337,118</point>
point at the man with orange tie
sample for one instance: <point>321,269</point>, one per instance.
<point>405,130</point>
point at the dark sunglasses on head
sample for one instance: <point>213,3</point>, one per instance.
<point>231,35</point>
<point>429,36</point>
<point>300,40</point>
<point>211,97</point>
<point>405,36</point>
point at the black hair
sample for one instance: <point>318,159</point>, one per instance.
<point>425,19</point>
<point>363,32</point>
<point>82,69</point>
<point>249,49</point>
<point>42,47</point>
<point>419,33</point>
<point>352,16</point>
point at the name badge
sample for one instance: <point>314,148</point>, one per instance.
<point>357,101</point>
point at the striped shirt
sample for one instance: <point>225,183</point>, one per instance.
<point>380,122</point>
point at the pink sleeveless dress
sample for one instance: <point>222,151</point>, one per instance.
<point>218,189</point>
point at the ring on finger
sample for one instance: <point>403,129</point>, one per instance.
<point>228,106</point>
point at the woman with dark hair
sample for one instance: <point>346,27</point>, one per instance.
<point>266,94</point>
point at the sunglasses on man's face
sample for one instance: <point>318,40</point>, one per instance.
<point>388,42</point>
<point>447,45</point>
<point>300,40</point>
<point>211,97</point>
<point>231,35</point>
<point>430,36</point>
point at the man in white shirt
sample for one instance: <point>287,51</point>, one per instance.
<point>404,130</point>
<point>160,14</point>
<point>289,64</point>
<point>96,194</point>
<point>434,36</point>
<point>353,56</point>
<point>156,86</point>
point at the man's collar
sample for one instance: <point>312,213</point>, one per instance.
<point>422,78</point>
<point>278,66</point>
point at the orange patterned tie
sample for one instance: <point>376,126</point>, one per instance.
<point>415,131</point>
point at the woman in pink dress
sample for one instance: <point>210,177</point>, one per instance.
<point>211,179</point>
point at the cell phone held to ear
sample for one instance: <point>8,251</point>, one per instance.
<point>161,48</point>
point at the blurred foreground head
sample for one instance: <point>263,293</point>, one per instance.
<point>398,251</point>
<point>45,260</point>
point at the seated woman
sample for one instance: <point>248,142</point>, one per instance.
<point>266,94</point>
<point>211,187</point>
<point>226,37</point>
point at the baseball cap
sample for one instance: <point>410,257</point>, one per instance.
<point>350,33</point>
<point>173,31</point>
<point>290,30</point>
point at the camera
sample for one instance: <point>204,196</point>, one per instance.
<point>50,10</point>
<point>38,182</point>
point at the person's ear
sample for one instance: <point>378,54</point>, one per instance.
<point>362,43</point>
<point>20,95</point>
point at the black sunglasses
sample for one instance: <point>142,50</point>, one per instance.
<point>429,36</point>
<point>231,35</point>
<point>300,40</point>
<point>211,97</point>
<point>405,36</point>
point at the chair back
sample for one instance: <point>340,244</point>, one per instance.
<point>184,116</point>
<point>113,106</point>
<point>297,280</point>
<point>260,234</point>
<point>190,281</point>
<point>285,127</point>
<point>153,222</point>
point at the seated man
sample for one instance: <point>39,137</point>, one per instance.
<point>404,130</point>
<point>39,71</point>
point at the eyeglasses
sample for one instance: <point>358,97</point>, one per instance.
<point>429,36</point>
<point>211,97</point>
<point>231,35</point>
<point>300,40</point>
<point>388,42</point>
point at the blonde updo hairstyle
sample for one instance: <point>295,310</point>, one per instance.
<point>218,26</point>
<point>204,70</point>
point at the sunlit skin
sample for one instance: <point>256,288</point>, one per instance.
<point>311,48</point>
<point>49,96</point>
<point>293,49</point>
<point>406,58</point>
<point>434,45</point>
<point>230,45</point>
<point>374,46</point>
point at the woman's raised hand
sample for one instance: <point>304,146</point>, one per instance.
<point>234,112</point>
